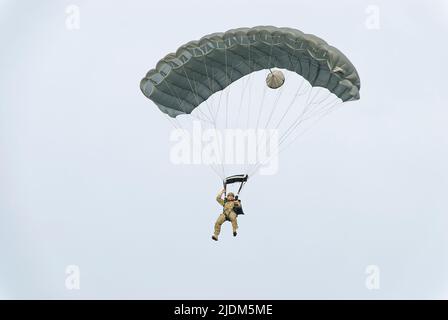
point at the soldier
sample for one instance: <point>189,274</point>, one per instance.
<point>229,214</point>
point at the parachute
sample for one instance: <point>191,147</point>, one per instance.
<point>275,81</point>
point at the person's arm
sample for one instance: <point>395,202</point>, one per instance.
<point>218,197</point>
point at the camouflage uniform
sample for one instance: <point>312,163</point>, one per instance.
<point>227,214</point>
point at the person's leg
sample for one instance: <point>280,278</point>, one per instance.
<point>233,219</point>
<point>218,224</point>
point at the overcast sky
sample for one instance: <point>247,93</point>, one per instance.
<point>86,178</point>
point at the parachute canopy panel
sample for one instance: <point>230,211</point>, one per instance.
<point>183,80</point>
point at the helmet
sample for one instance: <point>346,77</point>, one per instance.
<point>231,194</point>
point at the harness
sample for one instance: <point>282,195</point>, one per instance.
<point>224,212</point>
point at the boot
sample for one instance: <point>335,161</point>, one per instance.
<point>214,237</point>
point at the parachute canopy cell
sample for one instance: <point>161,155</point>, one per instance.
<point>181,81</point>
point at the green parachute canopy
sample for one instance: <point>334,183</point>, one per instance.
<point>183,80</point>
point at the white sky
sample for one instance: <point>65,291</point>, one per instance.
<point>85,176</point>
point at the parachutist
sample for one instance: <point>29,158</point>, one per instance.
<point>229,204</point>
